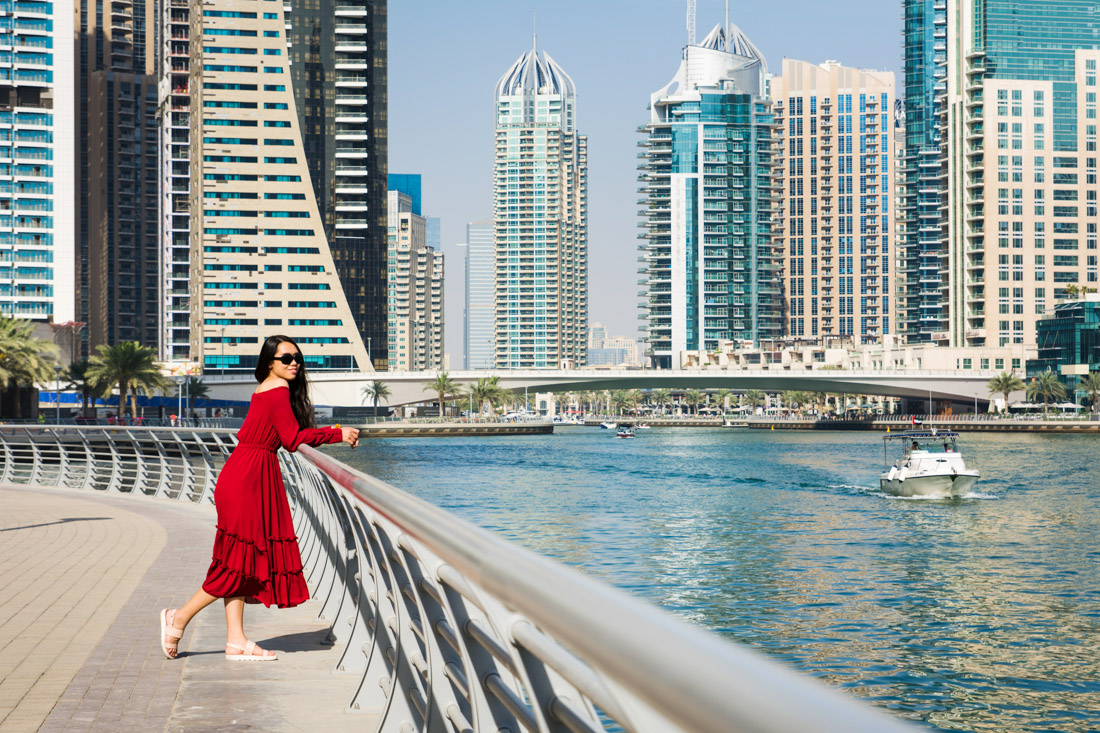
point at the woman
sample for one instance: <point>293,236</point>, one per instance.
<point>256,556</point>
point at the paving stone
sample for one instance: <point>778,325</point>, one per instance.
<point>64,553</point>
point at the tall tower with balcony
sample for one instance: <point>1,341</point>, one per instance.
<point>117,195</point>
<point>1019,139</point>
<point>174,120</point>
<point>37,263</point>
<point>338,73</point>
<point>922,261</point>
<point>262,259</point>
<point>540,214</point>
<point>833,223</point>
<point>709,270</point>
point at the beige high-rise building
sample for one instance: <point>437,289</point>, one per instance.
<point>1022,197</point>
<point>257,236</point>
<point>834,223</point>
<point>415,290</point>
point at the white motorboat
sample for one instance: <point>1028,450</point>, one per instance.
<point>929,464</point>
<point>625,431</point>
<point>609,425</point>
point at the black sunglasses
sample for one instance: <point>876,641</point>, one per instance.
<point>287,358</point>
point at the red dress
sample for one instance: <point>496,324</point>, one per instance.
<point>255,551</point>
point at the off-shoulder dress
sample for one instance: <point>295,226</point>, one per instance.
<point>255,551</point>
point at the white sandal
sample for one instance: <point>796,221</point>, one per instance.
<point>247,655</point>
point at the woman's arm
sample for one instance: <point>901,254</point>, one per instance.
<point>286,425</point>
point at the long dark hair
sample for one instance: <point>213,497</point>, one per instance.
<point>299,386</point>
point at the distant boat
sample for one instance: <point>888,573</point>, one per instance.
<point>930,465</point>
<point>609,425</point>
<point>625,431</point>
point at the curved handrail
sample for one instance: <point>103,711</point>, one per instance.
<point>448,626</point>
<point>687,678</point>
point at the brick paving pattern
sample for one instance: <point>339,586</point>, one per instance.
<point>83,576</point>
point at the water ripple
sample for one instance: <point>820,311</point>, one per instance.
<point>978,613</point>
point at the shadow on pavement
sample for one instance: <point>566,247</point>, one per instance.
<point>60,521</point>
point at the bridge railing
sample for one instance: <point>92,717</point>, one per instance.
<point>449,627</point>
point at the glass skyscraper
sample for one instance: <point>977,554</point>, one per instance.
<point>710,271</point>
<point>921,262</point>
<point>540,212</point>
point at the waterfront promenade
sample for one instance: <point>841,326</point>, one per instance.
<point>83,577</point>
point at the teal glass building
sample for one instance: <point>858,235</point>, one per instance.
<point>1069,337</point>
<point>709,272</point>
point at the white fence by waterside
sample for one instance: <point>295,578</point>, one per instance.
<point>447,626</point>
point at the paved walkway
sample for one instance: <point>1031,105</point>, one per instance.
<point>84,576</point>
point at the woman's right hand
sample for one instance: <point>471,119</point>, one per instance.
<point>350,436</point>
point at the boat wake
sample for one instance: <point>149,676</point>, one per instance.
<point>939,497</point>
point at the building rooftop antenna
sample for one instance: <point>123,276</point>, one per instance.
<point>691,22</point>
<point>726,27</point>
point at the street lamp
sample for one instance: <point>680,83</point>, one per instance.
<point>57,394</point>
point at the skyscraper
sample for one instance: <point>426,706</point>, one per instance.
<point>415,290</point>
<point>921,262</point>
<point>540,213</point>
<point>174,120</point>
<point>480,304</point>
<point>834,168</point>
<point>37,262</point>
<point>273,174</point>
<point>338,72</point>
<point>1018,155</point>
<point>117,194</point>
<point>710,270</point>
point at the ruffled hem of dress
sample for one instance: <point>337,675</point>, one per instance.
<point>240,567</point>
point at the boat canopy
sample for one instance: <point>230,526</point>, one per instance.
<point>918,434</point>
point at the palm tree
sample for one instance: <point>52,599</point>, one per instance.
<point>442,386</point>
<point>376,390</point>
<point>791,399</point>
<point>478,392</point>
<point>1046,386</point>
<point>194,388</point>
<point>619,400</point>
<point>130,366</point>
<point>1005,383</point>
<point>754,397</point>
<point>635,396</point>
<point>693,397</point>
<point>661,397</point>
<point>723,399</point>
<point>1091,386</point>
<point>24,358</point>
<point>77,378</point>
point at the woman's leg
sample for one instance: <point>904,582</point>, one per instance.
<point>180,617</point>
<point>234,629</point>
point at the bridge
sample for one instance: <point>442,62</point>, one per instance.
<point>963,386</point>
<point>419,621</point>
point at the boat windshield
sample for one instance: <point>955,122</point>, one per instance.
<point>925,443</point>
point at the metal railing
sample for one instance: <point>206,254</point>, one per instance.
<point>449,627</point>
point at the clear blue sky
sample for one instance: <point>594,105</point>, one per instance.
<point>446,56</point>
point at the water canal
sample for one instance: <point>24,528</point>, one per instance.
<point>974,614</point>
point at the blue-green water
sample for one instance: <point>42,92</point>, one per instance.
<point>981,613</point>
